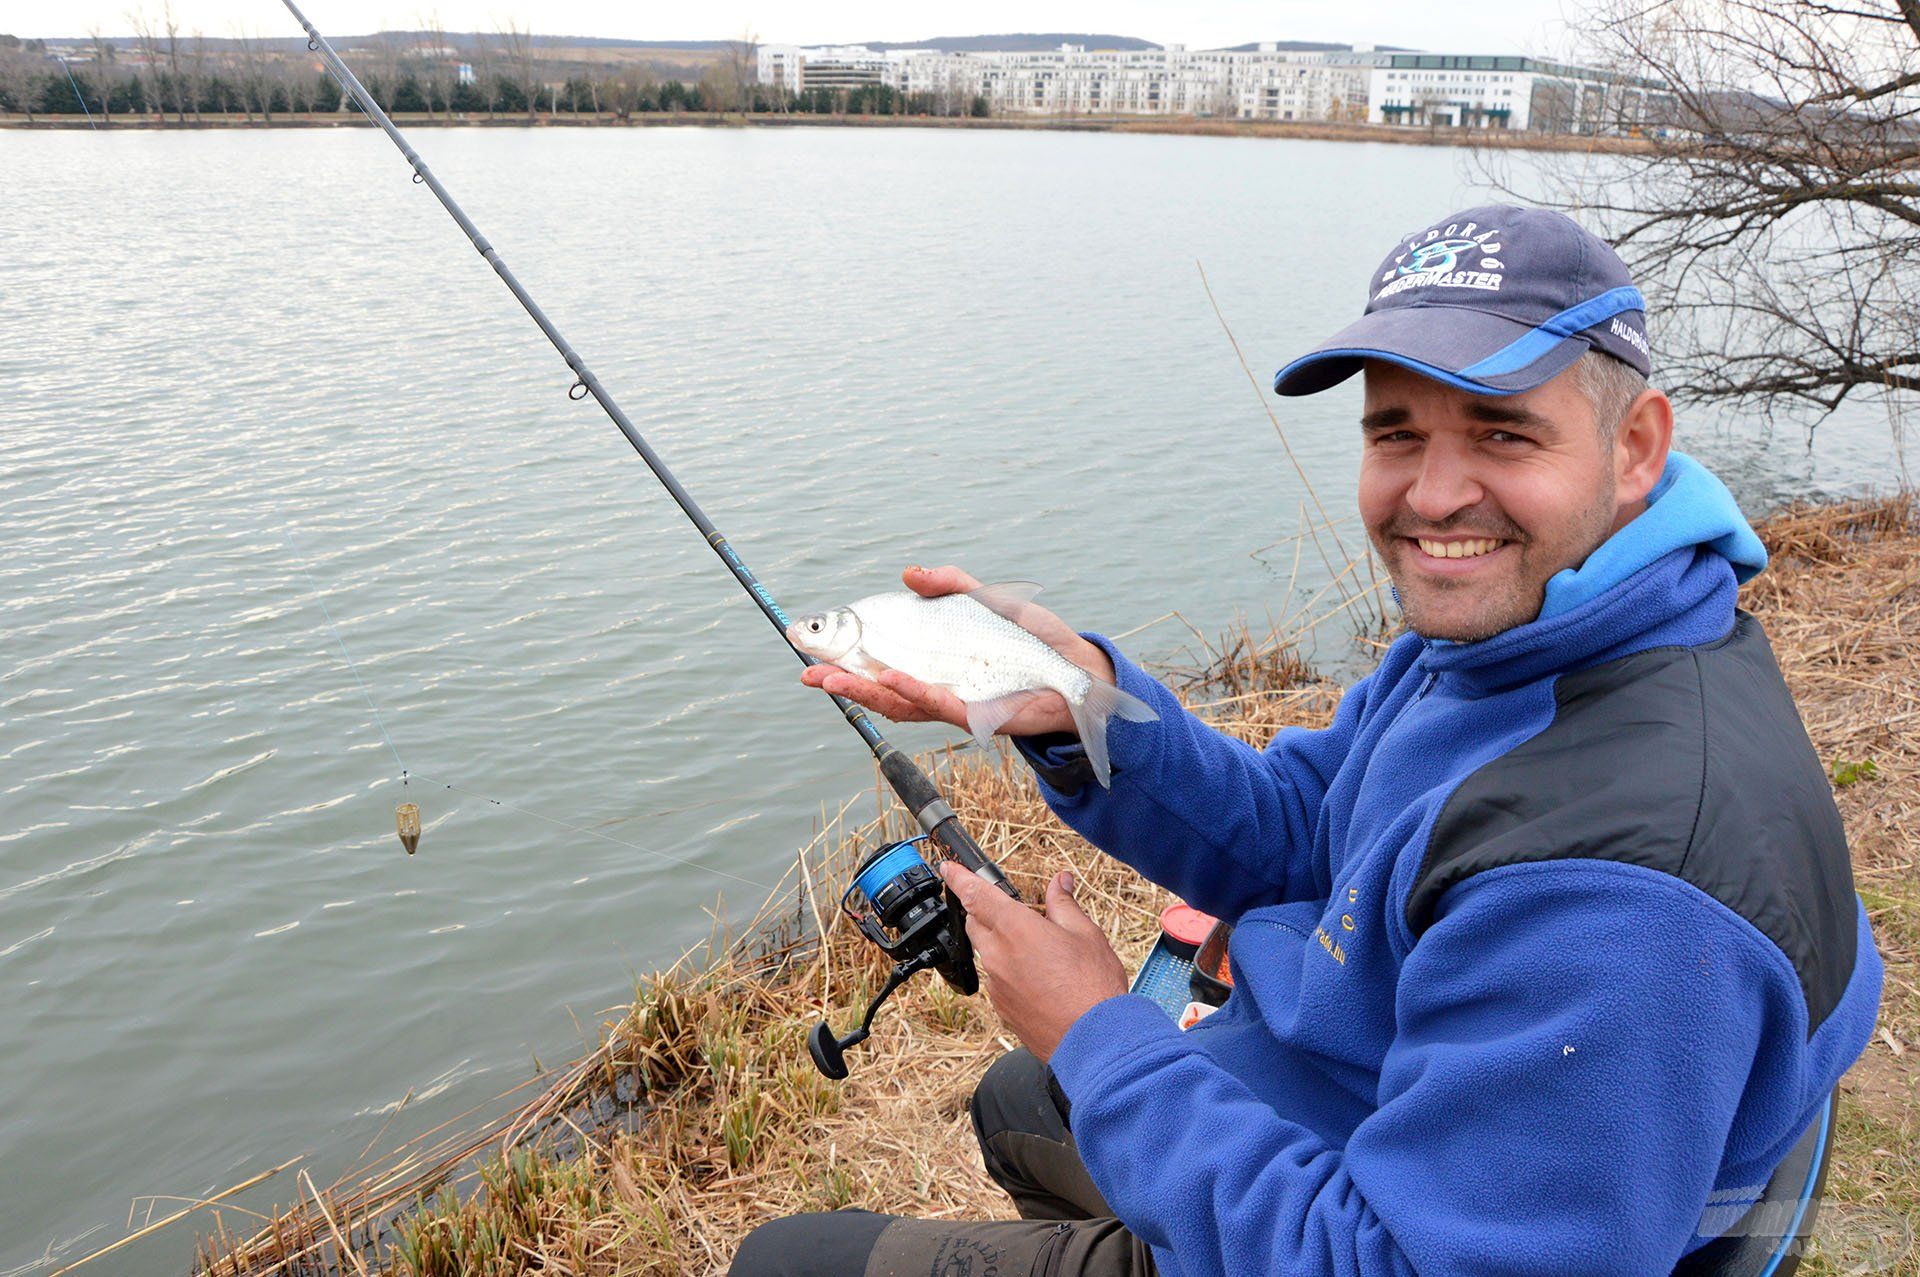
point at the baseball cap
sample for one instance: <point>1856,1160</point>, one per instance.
<point>1491,300</point>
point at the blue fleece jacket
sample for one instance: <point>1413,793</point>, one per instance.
<point>1552,1069</point>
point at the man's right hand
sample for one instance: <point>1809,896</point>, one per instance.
<point>905,699</point>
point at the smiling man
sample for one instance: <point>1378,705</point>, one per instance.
<point>1545,951</point>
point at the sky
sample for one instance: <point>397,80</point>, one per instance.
<point>1491,26</point>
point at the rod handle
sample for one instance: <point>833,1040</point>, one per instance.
<point>931,810</point>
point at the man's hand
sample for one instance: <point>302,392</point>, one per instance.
<point>1042,972</point>
<point>907,700</point>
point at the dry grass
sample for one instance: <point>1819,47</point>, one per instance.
<point>700,1115</point>
<point>1842,606</point>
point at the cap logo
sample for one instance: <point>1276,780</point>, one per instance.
<point>1434,261</point>
<point>1631,335</point>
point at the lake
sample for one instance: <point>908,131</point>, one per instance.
<point>248,380</point>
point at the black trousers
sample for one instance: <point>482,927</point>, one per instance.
<point>1065,1229</point>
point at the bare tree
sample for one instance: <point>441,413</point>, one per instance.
<point>524,64</point>
<point>256,90</point>
<point>382,56</point>
<point>194,82</point>
<point>103,71</point>
<point>20,75</point>
<point>175,77</point>
<point>1774,217</point>
<point>487,74</point>
<point>296,82</point>
<point>436,73</point>
<point>737,72</point>
<point>150,86</point>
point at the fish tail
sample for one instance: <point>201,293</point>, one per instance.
<point>1091,714</point>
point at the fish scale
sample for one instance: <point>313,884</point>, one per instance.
<point>966,643</point>
<point>962,644</point>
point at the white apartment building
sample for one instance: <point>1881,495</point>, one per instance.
<point>1306,86</point>
<point>1071,81</point>
<point>1447,90</point>
<point>1262,83</point>
<point>780,65</point>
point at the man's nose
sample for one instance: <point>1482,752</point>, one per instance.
<point>1444,485</point>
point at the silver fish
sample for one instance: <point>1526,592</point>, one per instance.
<point>967,644</point>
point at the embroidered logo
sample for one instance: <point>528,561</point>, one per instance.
<point>1335,947</point>
<point>1631,335</point>
<point>1459,255</point>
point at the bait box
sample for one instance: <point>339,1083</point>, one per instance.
<point>1166,977</point>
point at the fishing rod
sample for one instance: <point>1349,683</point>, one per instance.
<point>896,898</point>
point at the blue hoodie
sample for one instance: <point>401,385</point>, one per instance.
<point>1544,943</point>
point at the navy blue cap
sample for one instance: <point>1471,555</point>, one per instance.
<point>1493,300</point>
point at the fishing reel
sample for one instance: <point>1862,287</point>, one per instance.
<point>899,902</point>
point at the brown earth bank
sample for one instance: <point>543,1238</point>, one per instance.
<point>1318,130</point>
<point>699,1115</point>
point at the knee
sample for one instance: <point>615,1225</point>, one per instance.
<point>773,1249</point>
<point>833,1244</point>
<point>1013,1096</point>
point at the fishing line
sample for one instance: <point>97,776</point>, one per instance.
<point>915,790</point>
<point>355,669</point>
<point>346,657</point>
<point>64,66</point>
<point>593,833</point>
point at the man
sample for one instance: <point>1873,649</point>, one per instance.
<point>1546,941</point>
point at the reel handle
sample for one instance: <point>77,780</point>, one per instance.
<point>828,1051</point>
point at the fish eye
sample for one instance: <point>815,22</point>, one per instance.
<point>814,626</point>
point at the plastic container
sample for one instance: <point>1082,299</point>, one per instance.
<point>1211,980</point>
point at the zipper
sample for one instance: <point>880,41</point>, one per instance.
<point>1053,1253</point>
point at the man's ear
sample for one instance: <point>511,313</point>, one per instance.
<point>1640,446</point>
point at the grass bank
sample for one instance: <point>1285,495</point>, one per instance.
<point>1316,130</point>
<point>700,1114</point>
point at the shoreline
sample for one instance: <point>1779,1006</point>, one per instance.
<point>1183,126</point>
<point>699,1115</point>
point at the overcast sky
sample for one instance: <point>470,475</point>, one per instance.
<point>1493,26</point>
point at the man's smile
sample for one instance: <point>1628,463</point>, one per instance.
<point>1456,555</point>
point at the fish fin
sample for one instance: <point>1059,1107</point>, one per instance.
<point>1103,702</point>
<point>984,718</point>
<point>1008,598</point>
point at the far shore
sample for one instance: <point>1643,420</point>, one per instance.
<point>1317,130</point>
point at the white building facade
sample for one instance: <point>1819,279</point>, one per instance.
<point>1267,82</point>
<point>1477,91</point>
<point>1261,83</point>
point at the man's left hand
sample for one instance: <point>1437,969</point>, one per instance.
<point>1042,972</point>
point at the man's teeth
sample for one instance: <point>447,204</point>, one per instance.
<point>1459,549</point>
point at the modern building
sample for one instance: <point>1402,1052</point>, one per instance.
<point>1262,82</point>
<point>779,65</point>
<point>1480,91</point>
<point>1322,85</point>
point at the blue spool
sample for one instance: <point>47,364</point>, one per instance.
<point>890,864</point>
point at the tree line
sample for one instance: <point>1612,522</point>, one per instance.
<point>166,81</point>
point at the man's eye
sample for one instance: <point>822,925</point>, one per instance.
<point>1507,436</point>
